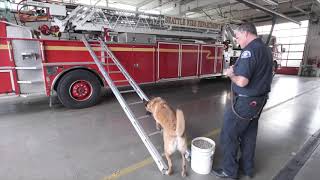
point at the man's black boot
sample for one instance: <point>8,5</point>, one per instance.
<point>220,173</point>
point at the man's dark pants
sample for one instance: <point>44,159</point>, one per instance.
<point>240,133</point>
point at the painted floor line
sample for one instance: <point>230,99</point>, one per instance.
<point>298,95</point>
<point>147,161</point>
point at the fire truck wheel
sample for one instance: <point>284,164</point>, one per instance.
<point>79,89</point>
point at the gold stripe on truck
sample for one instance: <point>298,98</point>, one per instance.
<point>75,48</point>
<point>2,46</point>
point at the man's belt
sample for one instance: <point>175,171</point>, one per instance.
<point>243,95</point>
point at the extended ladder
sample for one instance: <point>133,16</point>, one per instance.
<point>96,19</point>
<point>133,119</point>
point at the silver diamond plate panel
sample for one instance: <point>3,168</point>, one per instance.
<point>21,51</point>
<point>33,88</point>
<point>26,54</point>
<point>30,75</point>
<point>18,32</point>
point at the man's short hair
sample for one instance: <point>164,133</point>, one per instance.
<point>248,27</point>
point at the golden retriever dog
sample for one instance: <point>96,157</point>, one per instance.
<point>173,125</point>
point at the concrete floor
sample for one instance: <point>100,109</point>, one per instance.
<point>309,170</point>
<point>99,143</point>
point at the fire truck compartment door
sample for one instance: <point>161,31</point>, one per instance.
<point>208,57</point>
<point>143,63</point>
<point>168,60</point>
<point>7,81</point>
<point>219,65</point>
<point>189,59</point>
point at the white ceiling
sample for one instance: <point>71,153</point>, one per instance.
<point>216,10</point>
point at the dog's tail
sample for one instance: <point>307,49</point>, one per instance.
<point>180,123</point>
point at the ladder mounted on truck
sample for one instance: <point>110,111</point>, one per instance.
<point>125,106</point>
<point>96,19</point>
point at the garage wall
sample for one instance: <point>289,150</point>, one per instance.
<point>290,43</point>
<point>311,58</point>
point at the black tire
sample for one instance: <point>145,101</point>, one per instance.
<point>79,89</point>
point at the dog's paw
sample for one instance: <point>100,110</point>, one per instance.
<point>169,172</point>
<point>158,127</point>
<point>187,155</point>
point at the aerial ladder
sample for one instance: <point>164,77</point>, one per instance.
<point>94,18</point>
<point>91,18</point>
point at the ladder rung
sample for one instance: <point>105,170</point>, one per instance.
<point>143,117</point>
<point>127,91</point>
<point>110,64</point>
<point>133,103</point>
<point>114,72</point>
<point>155,132</point>
<point>121,81</point>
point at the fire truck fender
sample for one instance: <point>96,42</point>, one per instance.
<point>57,79</point>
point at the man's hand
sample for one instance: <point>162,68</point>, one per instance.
<point>230,72</point>
<point>238,80</point>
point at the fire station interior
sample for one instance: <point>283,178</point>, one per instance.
<point>65,113</point>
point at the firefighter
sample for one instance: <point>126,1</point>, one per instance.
<point>251,78</point>
<point>227,53</point>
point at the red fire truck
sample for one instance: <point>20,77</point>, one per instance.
<point>31,65</point>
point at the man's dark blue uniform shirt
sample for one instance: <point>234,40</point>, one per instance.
<point>255,63</point>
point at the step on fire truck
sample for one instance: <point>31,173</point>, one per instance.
<point>42,51</point>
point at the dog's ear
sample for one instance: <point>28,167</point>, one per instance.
<point>152,97</point>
